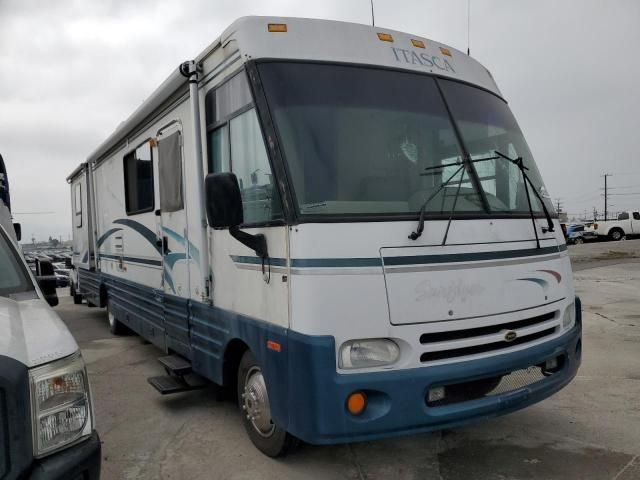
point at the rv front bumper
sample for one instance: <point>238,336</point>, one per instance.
<point>397,400</point>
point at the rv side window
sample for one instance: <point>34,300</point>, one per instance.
<point>249,161</point>
<point>138,180</point>
<point>623,216</point>
<point>78,204</point>
<point>219,150</point>
<point>170,173</point>
<point>235,144</point>
<point>636,215</point>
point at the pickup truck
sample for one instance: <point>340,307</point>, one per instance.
<point>46,411</point>
<point>628,223</point>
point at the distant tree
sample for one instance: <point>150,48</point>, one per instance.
<point>53,241</point>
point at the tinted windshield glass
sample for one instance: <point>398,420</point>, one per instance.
<point>13,277</point>
<point>361,141</point>
<point>368,141</point>
<point>486,124</point>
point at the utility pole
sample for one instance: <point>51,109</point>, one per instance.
<point>558,206</point>
<point>605,195</point>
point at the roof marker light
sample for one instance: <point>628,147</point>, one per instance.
<point>445,51</point>
<point>277,27</point>
<point>417,43</point>
<point>385,37</point>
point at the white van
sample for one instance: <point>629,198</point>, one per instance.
<point>342,224</point>
<point>46,411</point>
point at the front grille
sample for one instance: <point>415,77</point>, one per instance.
<point>486,330</point>
<point>485,347</point>
<point>16,451</point>
<point>465,342</point>
<point>487,387</point>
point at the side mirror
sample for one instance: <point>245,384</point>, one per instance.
<point>223,200</point>
<point>224,210</point>
<point>46,277</point>
<point>18,228</point>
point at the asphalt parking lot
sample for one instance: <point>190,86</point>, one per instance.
<point>589,430</point>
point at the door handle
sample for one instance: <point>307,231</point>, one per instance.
<point>163,243</point>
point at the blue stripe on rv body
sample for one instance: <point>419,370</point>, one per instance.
<point>402,260</point>
<point>106,235</point>
<point>194,253</point>
<point>148,234</point>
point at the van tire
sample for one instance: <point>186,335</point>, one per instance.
<point>77,298</point>
<point>267,437</point>
<point>115,326</point>
<point>616,234</point>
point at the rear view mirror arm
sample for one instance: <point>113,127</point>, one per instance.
<point>258,243</point>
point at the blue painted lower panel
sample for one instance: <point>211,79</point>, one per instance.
<point>308,395</point>
<point>89,285</point>
<point>138,307</point>
<point>397,404</point>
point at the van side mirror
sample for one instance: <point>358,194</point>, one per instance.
<point>224,210</point>
<point>46,277</point>
<point>18,228</point>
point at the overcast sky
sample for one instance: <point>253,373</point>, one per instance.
<point>70,71</point>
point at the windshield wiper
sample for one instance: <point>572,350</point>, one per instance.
<point>416,235</point>
<point>527,181</point>
<point>518,162</point>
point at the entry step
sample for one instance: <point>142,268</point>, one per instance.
<point>167,384</point>
<point>176,365</point>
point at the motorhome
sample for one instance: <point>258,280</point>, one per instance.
<point>342,224</point>
<point>46,412</point>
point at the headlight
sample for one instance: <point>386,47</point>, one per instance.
<point>60,404</point>
<point>569,317</point>
<point>368,353</point>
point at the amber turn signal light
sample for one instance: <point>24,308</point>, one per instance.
<point>356,403</point>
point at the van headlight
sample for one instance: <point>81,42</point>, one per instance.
<point>374,352</point>
<point>569,318</point>
<point>60,404</point>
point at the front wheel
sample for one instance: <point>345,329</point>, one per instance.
<point>115,326</point>
<point>578,241</point>
<point>256,410</point>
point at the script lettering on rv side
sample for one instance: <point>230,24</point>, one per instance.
<point>424,59</point>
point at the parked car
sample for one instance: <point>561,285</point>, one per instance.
<point>46,411</point>
<point>62,277</point>
<point>627,223</point>
<point>577,234</point>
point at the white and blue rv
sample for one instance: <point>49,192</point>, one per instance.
<point>342,224</point>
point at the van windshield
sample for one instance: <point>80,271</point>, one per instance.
<point>13,275</point>
<point>366,141</point>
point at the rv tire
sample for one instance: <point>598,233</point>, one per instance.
<point>77,298</point>
<point>115,326</point>
<point>253,401</point>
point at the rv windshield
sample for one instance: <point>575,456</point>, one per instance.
<point>365,141</point>
<point>14,278</point>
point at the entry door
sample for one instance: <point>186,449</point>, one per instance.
<point>173,238</point>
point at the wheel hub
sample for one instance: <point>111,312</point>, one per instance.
<point>255,403</point>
